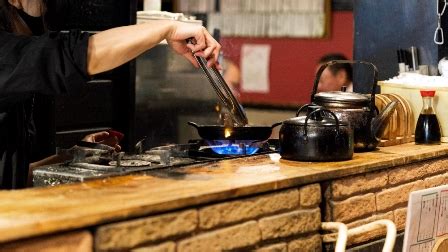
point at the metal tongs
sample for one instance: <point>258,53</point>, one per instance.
<point>223,91</point>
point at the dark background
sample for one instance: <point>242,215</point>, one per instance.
<point>383,26</point>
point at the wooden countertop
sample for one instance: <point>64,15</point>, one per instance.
<point>38,211</point>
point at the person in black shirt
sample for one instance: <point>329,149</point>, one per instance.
<point>36,61</point>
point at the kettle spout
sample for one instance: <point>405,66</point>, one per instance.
<point>380,122</point>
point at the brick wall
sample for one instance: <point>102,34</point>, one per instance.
<point>360,199</point>
<point>287,220</point>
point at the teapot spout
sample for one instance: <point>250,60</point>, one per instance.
<point>380,122</point>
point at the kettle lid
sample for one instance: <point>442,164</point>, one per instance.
<point>342,97</point>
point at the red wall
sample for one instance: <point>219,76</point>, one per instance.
<point>293,61</point>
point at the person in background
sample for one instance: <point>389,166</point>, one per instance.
<point>335,76</point>
<point>36,61</point>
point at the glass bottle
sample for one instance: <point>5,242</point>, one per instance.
<point>427,130</point>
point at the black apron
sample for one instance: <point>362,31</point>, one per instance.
<point>16,140</point>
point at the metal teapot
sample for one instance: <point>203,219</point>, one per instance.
<point>357,109</point>
<point>318,136</point>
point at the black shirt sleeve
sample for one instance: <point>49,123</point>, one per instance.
<point>54,63</point>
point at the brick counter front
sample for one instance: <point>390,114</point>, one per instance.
<point>254,203</point>
<point>356,200</point>
<point>267,221</point>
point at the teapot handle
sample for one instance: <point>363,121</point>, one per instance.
<point>375,77</point>
<point>305,134</point>
<point>304,107</point>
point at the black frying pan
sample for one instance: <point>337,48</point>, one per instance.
<point>218,132</point>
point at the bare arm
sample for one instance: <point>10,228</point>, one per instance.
<point>114,47</point>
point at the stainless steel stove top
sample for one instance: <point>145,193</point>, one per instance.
<point>85,167</point>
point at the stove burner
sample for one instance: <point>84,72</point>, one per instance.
<point>234,150</point>
<point>234,147</point>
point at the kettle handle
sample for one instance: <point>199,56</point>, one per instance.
<point>375,77</point>
<point>305,134</point>
<point>304,107</point>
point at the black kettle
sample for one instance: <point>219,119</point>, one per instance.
<point>358,109</point>
<point>318,136</point>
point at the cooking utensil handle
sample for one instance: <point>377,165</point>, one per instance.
<point>227,96</point>
<point>203,64</point>
<point>375,77</point>
<point>194,125</point>
<point>236,105</point>
<point>305,134</point>
<point>93,145</point>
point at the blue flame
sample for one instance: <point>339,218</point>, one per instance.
<point>234,150</point>
<point>225,147</point>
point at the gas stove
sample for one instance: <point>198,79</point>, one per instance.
<point>90,164</point>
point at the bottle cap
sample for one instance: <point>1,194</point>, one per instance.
<point>427,93</point>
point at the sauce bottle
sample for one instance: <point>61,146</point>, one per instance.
<point>427,130</point>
